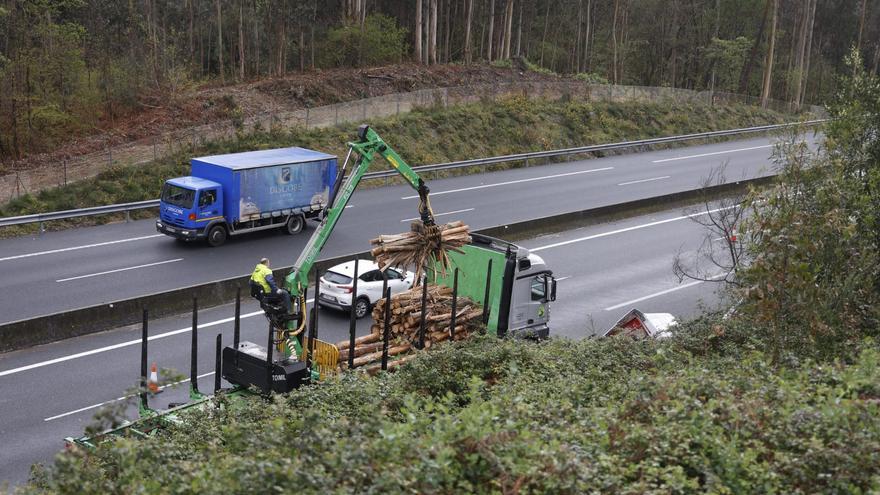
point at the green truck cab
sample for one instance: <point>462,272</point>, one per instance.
<point>521,286</point>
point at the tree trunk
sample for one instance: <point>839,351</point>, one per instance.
<point>432,42</point>
<point>312,34</point>
<point>587,35</point>
<point>809,49</point>
<point>467,31</point>
<point>715,36</point>
<point>746,72</point>
<point>192,53</point>
<point>802,44</point>
<point>614,44</point>
<point>220,39</point>
<point>576,53</point>
<point>768,64</point>
<point>256,69</point>
<point>447,31</point>
<point>491,40</point>
<point>302,49</point>
<point>508,28</point>
<point>418,32</point>
<point>241,40</point>
<point>544,36</point>
<point>862,24</point>
<point>519,31</point>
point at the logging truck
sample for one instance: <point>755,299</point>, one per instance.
<point>502,287</point>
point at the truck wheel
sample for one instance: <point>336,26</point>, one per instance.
<point>361,307</point>
<point>216,236</point>
<point>294,225</point>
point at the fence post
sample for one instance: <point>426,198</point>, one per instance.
<point>65,172</point>
<point>398,104</point>
<point>336,114</point>
<point>307,117</point>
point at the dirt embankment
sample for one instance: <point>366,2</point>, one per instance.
<point>160,113</point>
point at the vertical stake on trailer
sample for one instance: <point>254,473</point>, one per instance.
<point>217,363</point>
<point>314,332</point>
<point>193,351</point>
<point>454,304</point>
<point>310,340</point>
<point>144,406</point>
<point>269,356</point>
<point>352,319</point>
<point>386,329</point>
<point>304,316</point>
<point>424,310</point>
<point>486,295</point>
<point>236,329</point>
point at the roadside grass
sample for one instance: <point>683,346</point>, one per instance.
<point>433,134</point>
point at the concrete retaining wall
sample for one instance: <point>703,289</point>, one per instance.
<point>58,326</point>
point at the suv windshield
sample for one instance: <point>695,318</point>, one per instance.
<point>178,196</point>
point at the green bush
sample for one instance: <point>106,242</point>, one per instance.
<point>380,41</point>
<point>490,416</point>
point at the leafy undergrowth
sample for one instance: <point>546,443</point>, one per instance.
<point>423,136</point>
<point>692,414</point>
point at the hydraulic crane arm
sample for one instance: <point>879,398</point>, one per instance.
<point>367,149</point>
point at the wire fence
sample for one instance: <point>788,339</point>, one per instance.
<point>18,183</point>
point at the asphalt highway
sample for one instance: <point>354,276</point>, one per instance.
<point>81,267</point>
<point>53,391</point>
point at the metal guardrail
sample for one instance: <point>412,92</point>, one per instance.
<point>41,218</point>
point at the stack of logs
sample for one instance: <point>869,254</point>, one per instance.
<point>421,245</point>
<point>405,324</point>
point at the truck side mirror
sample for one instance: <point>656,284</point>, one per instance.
<point>552,291</point>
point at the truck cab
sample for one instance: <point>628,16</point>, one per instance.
<point>188,206</point>
<point>520,285</point>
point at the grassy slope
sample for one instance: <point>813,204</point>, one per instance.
<point>428,135</point>
<point>489,416</point>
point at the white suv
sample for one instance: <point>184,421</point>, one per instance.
<point>337,285</point>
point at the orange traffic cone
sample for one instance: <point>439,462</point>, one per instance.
<point>153,383</point>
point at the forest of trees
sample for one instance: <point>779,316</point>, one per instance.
<point>71,66</point>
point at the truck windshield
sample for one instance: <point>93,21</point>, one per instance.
<point>178,196</point>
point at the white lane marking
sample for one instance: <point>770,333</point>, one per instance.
<point>559,279</point>
<point>627,229</point>
<point>120,270</point>
<point>439,214</point>
<point>349,206</point>
<point>711,154</point>
<point>172,333</point>
<point>433,193</point>
<point>662,292</point>
<point>643,180</point>
<point>95,406</point>
<point>74,248</point>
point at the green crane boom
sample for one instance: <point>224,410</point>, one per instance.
<point>367,149</point>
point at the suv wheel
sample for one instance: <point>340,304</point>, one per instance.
<point>361,307</point>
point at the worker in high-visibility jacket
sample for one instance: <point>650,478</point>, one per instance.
<point>263,276</point>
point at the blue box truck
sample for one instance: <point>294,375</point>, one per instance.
<point>244,192</point>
